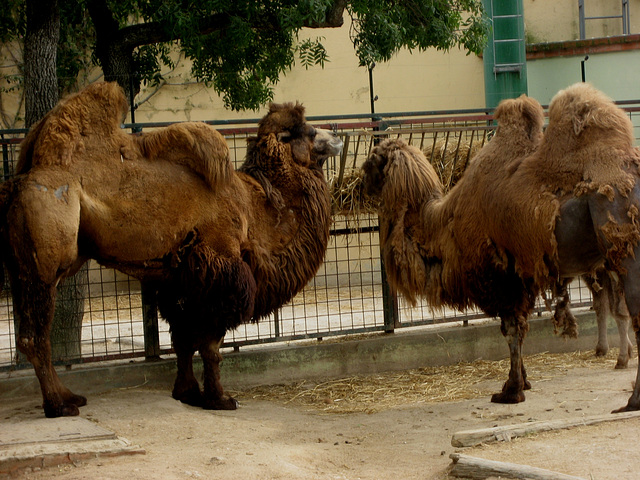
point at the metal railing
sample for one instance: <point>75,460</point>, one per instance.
<point>624,18</point>
<point>348,295</point>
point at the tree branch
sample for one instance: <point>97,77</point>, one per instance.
<point>333,17</point>
<point>154,32</point>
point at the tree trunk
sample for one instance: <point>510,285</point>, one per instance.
<point>41,95</point>
<point>113,51</point>
<point>40,48</point>
<point>66,331</point>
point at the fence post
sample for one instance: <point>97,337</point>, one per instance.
<point>150,322</point>
<point>389,303</point>
<point>5,159</point>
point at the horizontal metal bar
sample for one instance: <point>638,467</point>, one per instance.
<point>513,15</point>
<point>516,68</point>
<point>604,17</point>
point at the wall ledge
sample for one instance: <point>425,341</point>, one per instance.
<point>621,43</point>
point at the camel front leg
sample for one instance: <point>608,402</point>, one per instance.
<point>512,391</point>
<point>214,396</point>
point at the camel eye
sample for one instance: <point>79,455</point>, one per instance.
<point>284,136</point>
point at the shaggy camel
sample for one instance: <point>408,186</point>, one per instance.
<point>222,247</point>
<point>607,300</point>
<point>530,210</point>
<point>449,160</point>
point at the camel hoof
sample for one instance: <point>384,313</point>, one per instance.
<point>527,386</point>
<point>191,397</point>
<point>505,397</point>
<point>63,410</point>
<point>601,352</point>
<point>227,403</point>
<point>620,365</point>
<point>627,408</point>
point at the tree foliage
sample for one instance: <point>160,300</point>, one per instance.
<point>241,49</point>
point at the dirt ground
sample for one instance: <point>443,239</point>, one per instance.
<point>278,438</point>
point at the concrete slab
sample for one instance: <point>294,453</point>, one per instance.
<point>43,442</point>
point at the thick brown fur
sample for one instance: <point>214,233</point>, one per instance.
<point>530,210</point>
<point>222,247</point>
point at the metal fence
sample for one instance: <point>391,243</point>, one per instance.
<point>348,295</point>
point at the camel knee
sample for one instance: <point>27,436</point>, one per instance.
<point>26,345</point>
<point>211,353</point>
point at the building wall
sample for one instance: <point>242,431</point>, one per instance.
<point>558,20</point>
<point>615,73</point>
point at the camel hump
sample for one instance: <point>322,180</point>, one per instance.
<point>98,110</point>
<point>195,145</point>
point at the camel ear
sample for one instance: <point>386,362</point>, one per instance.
<point>373,172</point>
<point>533,115</point>
<point>581,118</point>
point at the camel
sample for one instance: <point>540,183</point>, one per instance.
<point>221,247</point>
<point>531,210</point>
<point>607,299</point>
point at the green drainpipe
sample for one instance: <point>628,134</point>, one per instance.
<point>505,66</point>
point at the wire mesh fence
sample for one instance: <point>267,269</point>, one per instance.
<point>348,295</point>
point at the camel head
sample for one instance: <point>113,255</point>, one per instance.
<point>286,124</point>
<point>518,115</point>
<point>396,169</point>
<point>582,114</point>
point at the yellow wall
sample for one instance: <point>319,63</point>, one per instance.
<point>428,80</point>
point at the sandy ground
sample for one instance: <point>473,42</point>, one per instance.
<point>273,439</point>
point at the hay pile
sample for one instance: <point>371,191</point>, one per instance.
<point>376,392</point>
<point>348,197</point>
<point>449,157</point>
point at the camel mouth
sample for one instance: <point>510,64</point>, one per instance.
<point>326,144</point>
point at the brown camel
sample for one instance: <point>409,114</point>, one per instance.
<point>530,210</point>
<point>222,247</point>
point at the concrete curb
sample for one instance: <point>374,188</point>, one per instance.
<point>270,364</point>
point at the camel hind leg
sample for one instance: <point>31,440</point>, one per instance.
<point>39,247</point>
<point>631,282</point>
<point>631,285</point>
<point>634,401</point>
<point>616,236</point>
<point>609,301</point>
<point>35,307</point>
<point>623,321</point>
